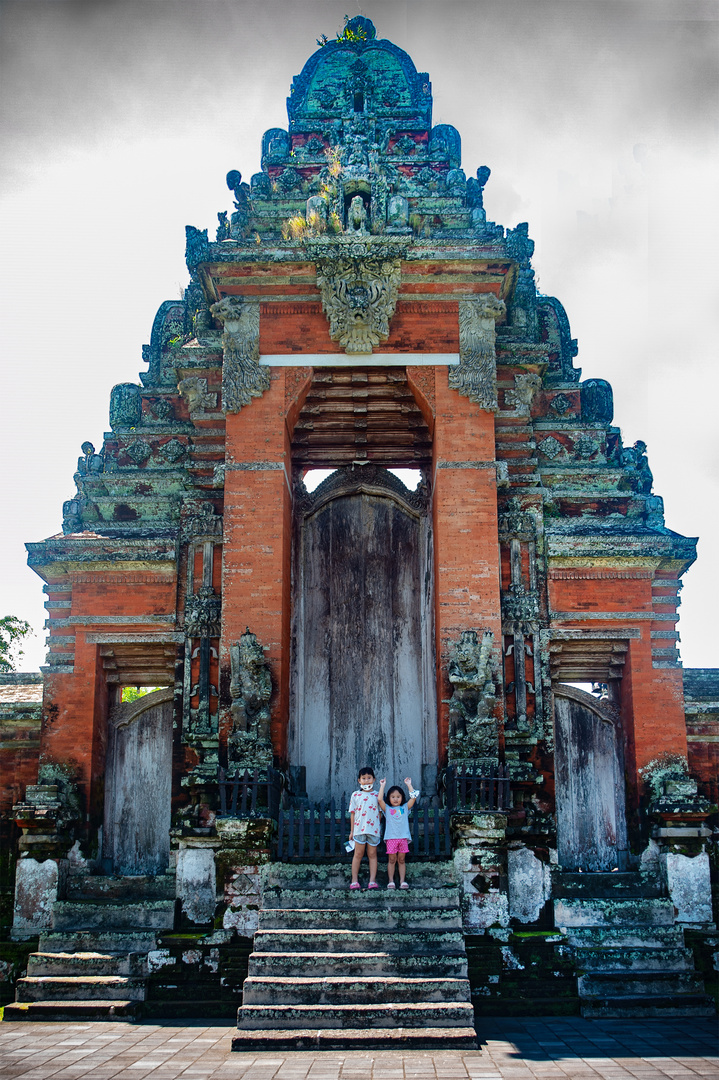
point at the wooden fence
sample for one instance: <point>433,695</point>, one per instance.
<point>250,793</point>
<point>468,789</point>
<point>321,830</point>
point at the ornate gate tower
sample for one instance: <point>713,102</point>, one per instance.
<point>357,312</point>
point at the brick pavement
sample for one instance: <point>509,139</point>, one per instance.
<point>519,1049</point>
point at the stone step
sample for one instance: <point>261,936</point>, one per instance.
<point>85,915</point>
<point>628,960</point>
<point>424,875</point>
<point>101,888</point>
<point>604,885</point>
<point>100,941</point>
<point>390,1014</point>
<point>571,912</point>
<point>81,987</point>
<point>424,941</point>
<point>639,983</point>
<point>351,900</point>
<point>629,937</point>
<point>394,1038</point>
<point>350,990</point>
<point>72,1011</point>
<point>366,918</point>
<point>648,1007</point>
<point>378,964</point>
<point>86,963</point>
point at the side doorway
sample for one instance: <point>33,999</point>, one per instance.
<point>138,785</point>
<point>589,779</point>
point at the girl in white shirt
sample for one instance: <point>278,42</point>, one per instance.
<point>396,829</point>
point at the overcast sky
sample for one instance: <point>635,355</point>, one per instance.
<point>119,121</point>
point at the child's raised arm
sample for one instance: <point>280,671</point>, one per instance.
<point>380,795</point>
<point>412,794</point>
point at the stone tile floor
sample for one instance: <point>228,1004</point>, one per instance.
<point>510,1049</point>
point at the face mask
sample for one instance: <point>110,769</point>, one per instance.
<point>366,787</point>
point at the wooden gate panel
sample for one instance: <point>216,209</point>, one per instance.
<point>590,792</point>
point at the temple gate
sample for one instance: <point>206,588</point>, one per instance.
<point>358,312</point>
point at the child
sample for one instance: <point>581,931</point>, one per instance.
<point>365,826</point>
<point>396,829</point>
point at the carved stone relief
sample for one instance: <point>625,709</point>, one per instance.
<point>359,281</point>
<point>203,613</point>
<point>472,724</point>
<point>242,377</point>
<point>476,375</point>
<point>200,520</point>
<point>520,610</point>
<point>250,690</point>
<point>194,391</point>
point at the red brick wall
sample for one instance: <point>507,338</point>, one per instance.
<point>257,540</point>
<point>465,528</point>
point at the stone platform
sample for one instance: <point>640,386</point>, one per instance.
<point>520,1049</point>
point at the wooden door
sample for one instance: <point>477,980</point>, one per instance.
<point>589,776</point>
<point>363,668</point>
<point>138,785</point>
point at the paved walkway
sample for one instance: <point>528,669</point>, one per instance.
<point>521,1049</point>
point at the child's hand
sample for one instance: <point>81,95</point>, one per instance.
<point>382,783</point>
<point>408,782</point>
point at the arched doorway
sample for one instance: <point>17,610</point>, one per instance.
<point>363,689</point>
<point>138,785</point>
<point>589,778</point>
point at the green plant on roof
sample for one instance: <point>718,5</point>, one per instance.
<point>348,35</point>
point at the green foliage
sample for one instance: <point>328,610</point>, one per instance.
<point>346,36</point>
<point>132,693</point>
<point>12,632</point>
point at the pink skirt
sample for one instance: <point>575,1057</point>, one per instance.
<point>396,846</point>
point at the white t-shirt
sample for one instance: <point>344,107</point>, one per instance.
<point>396,823</point>
<point>366,811</point>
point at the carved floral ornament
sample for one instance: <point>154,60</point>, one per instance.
<point>476,375</point>
<point>242,377</point>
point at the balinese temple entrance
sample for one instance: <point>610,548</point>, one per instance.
<point>357,312</point>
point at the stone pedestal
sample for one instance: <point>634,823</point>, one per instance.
<point>245,846</point>
<point>480,862</point>
<point>689,883</point>
<point>196,877</point>
<point>529,884</point>
<point>38,884</point>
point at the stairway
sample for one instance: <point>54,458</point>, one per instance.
<point>92,965</point>
<point>334,969</point>
<point>631,954</point>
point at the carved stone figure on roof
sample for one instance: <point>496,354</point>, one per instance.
<point>357,217</point>
<point>90,463</point>
<point>635,458</point>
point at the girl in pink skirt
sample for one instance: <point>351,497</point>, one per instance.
<point>396,828</point>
